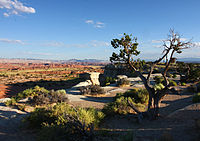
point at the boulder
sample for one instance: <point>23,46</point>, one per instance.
<point>119,77</point>
<point>91,76</point>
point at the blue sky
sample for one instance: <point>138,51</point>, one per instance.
<point>66,29</point>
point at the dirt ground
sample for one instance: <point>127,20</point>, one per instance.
<point>177,121</point>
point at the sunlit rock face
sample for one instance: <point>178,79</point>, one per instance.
<point>93,77</point>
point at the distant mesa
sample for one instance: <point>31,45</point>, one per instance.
<point>30,60</point>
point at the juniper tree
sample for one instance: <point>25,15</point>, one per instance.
<point>128,49</point>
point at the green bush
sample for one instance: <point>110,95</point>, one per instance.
<point>169,75</point>
<point>120,106</point>
<point>63,122</point>
<point>92,90</point>
<point>196,98</point>
<point>172,83</point>
<point>31,92</point>
<point>183,84</point>
<point>158,79</point>
<point>174,75</point>
<point>41,96</point>
<point>11,102</point>
<point>109,80</point>
<point>57,115</point>
<point>159,86</point>
<point>123,82</point>
<point>50,97</point>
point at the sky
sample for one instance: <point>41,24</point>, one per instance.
<point>83,29</point>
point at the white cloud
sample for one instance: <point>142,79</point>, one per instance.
<point>157,41</point>
<point>196,44</point>
<point>11,41</point>
<point>183,39</point>
<point>54,44</point>
<point>89,21</point>
<point>95,24</point>
<point>6,14</point>
<point>14,7</point>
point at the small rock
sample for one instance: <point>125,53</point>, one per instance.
<point>29,109</point>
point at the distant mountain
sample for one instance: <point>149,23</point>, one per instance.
<point>189,60</point>
<point>87,60</point>
<point>30,60</point>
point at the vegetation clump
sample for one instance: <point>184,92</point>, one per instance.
<point>63,122</point>
<point>40,96</point>
<point>109,80</point>
<point>138,97</point>
<point>123,82</point>
<point>92,90</point>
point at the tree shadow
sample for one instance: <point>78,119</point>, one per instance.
<point>98,99</point>
<point>175,105</point>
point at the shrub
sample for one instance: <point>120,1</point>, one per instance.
<point>50,97</point>
<point>64,121</point>
<point>159,86</point>
<point>92,90</point>
<point>120,106</point>
<point>31,92</point>
<point>183,84</point>
<point>123,82</point>
<point>11,102</point>
<point>169,75</point>
<point>174,75</point>
<point>158,79</point>
<point>196,98</point>
<point>109,80</point>
<point>172,83</point>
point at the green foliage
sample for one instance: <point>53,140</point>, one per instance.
<point>172,83</point>
<point>11,102</point>
<point>57,115</point>
<point>123,82</point>
<point>169,75</point>
<point>50,97</point>
<point>159,87</point>
<point>41,96</point>
<point>190,71</point>
<point>92,90</point>
<point>109,80</point>
<point>63,122</point>
<point>120,106</point>
<point>31,92</point>
<point>183,84</point>
<point>174,75</point>
<point>127,47</point>
<point>158,79</point>
<point>196,98</point>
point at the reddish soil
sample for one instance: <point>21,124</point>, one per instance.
<point>3,89</point>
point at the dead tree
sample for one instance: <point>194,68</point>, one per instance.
<point>128,49</point>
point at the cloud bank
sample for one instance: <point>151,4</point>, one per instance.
<point>4,40</point>
<point>15,7</point>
